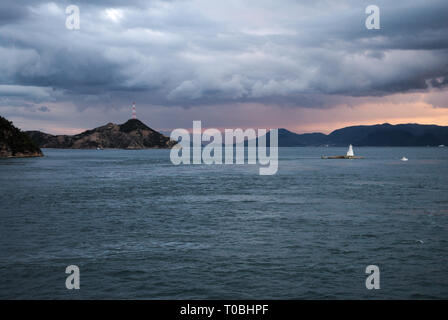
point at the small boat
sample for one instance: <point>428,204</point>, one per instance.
<point>404,159</point>
<point>441,146</point>
<point>350,155</point>
<point>99,148</point>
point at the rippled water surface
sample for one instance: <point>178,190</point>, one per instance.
<point>139,227</point>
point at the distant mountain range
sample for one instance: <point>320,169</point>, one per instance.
<point>133,134</point>
<point>15,143</point>
<point>379,135</point>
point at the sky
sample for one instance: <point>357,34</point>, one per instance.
<point>306,66</point>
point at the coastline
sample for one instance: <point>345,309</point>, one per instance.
<point>40,155</point>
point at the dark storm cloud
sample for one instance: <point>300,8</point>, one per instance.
<point>11,12</point>
<point>291,53</point>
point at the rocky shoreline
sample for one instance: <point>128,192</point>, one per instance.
<point>21,155</point>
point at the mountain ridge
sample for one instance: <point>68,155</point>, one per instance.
<point>133,134</point>
<point>410,134</point>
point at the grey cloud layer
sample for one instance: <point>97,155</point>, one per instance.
<point>214,52</point>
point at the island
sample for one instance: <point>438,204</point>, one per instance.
<point>133,134</point>
<point>14,143</point>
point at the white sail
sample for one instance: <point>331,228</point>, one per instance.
<point>350,151</point>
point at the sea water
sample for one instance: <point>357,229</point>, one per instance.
<point>138,226</point>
